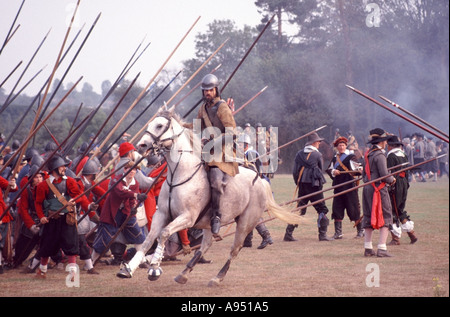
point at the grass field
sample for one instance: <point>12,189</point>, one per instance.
<point>305,268</point>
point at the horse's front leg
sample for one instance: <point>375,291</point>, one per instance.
<point>181,222</point>
<point>206,243</point>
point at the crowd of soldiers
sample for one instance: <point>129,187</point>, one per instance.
<point>69,207</point>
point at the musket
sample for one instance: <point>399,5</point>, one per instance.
<point>369,182</point>
<point>250,100</point>
<point>138,117</point>
<point>239,64</point>
<point>10,74</point>
<point>9,35</point>
<point>398,114</point>
<point>30,178</point>
<point>396,105</point>
<point>106,121</point>
<point>5,105</point>
<point>124,224</point>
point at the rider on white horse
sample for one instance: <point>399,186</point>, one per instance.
<point>215,113</point>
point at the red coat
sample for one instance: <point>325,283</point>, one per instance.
<point>73,191</point>
<point>118,195</point>
<point>3,186</point>
<point>23,204</point>
<point>97,191</point>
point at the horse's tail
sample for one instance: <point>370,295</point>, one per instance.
<point>277,210</point>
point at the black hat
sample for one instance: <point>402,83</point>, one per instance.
<point>393,140</point>
<point>377,135</point>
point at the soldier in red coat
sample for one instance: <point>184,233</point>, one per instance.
<point>60,231</point>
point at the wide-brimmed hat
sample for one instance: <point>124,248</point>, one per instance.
<point>394,140</point>
<point>313,137</point>
<point>340,140</point>
<point>377,135</point>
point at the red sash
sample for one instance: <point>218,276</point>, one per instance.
<point>376,219</point>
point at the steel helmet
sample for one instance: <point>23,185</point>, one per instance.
<point>55,162</point>
<point>244,138</point>
<point>91,167</point>
<point>210,81</point>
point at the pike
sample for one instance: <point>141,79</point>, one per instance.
<point>19,122</point>
<point>71,63</point>
<point>106,121</point>
<point>9,35</point>
<point>396,105</point>
<point>30,178</point>
<point>35,130</point>
<point>123,225</point>
<point>181,88</point>
<point>250,100</point>
<point>369,182</point>
<point>398,114</point>
<point>147,86</point>
<point>137,117</point>
<point>10,74</point>
<point>239,64</point>
<point>288,143</point>
<point>5,105</point>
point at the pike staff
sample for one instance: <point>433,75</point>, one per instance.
<point>9,35</point>
<point>368,183</point>
<point>396,105</point>
<point>398,114</point>
<point>250,100</point>
<point>146,87</point>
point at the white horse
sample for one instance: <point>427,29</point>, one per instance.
<point>184,198</point>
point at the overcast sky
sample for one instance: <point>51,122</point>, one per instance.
<point>120,29</point>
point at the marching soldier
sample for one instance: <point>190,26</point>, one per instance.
<point>215,113</point>
<point>343,168</point>
<point>399,192</point>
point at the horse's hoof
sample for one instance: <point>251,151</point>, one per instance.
<point>214,282</point>
<point>154,273</point>
<point>181,279</point>
<point>124,272</point>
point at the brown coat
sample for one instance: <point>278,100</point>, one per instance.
<point>218,114</point>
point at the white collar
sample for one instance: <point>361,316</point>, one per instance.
<point>310,148</point>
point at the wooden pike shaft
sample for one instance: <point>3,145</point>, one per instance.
<point>396,105</point>
<point>250,100</point>
<point>145,88</point>
<point>398,114</point>
<point>368,183</point>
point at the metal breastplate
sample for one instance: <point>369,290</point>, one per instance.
<point>212,114</point>
<point>61,187</point>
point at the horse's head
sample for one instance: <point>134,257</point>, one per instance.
<point>160,132</point>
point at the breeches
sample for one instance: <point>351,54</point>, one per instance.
<point>57,234</point>
<point>349,202</point>
<point>306,189</point>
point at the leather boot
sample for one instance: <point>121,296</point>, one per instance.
<point>412,236</point>
<point>338,229</point>
<point>323,227</point>
<point>288,235</point>
<point>215,219</point>
<point>359,231</point>
<point>265,234</point>
<point>395,240</point>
